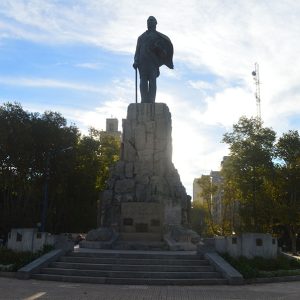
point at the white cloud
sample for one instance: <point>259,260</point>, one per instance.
<point>212,39</point>
<point>90,65</point>
<point>197,146</point>
<point>48,83</point>
<point>228,106</point>
<point>96,118</point>
<point>201,85</point>
<point>118,98</point>
<point>225,38</point>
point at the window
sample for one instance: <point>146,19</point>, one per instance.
<point>259,242</point>
<point>127,222</point>
<point>141,227</point>
<point>19,237</point>
<point>155,222</point>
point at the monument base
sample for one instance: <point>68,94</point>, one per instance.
<point>141,221</point>
<point>144,192</point>
<point>145,202</point>
<point>142,237</point>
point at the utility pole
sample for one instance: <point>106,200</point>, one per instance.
<point>255,75</point>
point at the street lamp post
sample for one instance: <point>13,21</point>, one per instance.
<point>50,154</point>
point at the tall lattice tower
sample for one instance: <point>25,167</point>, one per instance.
<point>255,75</point>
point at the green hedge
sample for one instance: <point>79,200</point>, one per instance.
<point>262,267</point>
<point>20,259</point>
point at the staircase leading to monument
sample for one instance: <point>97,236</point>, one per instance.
<point>132,267</point>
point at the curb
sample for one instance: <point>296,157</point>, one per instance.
<point>34,266</point>
<point>8,274</point>
<point>273,279</point>
<point>229,272</point>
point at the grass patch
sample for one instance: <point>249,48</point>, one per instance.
<point>12,261</point>
<point>259,267</point>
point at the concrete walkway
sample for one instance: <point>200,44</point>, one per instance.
<point>33,289</point>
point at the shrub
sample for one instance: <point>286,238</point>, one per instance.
<point>20,259</point>
<point>242,265</point>
<point>262,267</point>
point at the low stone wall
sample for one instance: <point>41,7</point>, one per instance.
<point>230,273</point>
<point>30,239</point>
<point>248,245</point>
<point>43,261</point>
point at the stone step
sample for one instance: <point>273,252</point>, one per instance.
<point>144,237</point>
<point>140,245</point>
<point>80,279</point>
<point>167,281</point>
<point>122,245</point>
<point>129,274</point>
<point>119,267</point>
<point>133,261</point>
<point>132,267</point>
<point>131,281</point>
<point>137,255</point>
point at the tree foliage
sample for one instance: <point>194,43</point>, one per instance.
<point>261,178</point>
<point>36,149</point>
<point>199,221</point>
<point>287,184</point>
<point>251,154</point>
<point>201,218</point>
<point>208,190</point>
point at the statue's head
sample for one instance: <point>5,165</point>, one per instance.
<point>151,23</point>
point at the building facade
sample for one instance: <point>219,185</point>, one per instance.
<point>112,125</point>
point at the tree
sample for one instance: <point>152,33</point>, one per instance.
<point>28,142</point>
<point>251,152</point>
<point>95,154</point>
<point>230,197</point>
<point>109,153</point>
<point>208,190</point>
<point>287,184</point>
<point>198,215</point>
<point>33,156</point>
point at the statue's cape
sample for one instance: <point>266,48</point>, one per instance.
<point>163,49</point>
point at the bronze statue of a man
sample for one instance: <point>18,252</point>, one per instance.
<point>153,50</point>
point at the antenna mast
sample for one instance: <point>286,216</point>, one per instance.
<point>255,75</point>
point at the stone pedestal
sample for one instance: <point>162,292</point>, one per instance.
<point>144,193</point>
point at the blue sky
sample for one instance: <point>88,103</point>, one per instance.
<point>75,57</point>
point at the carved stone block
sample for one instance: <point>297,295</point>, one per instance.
<point>146,176</point>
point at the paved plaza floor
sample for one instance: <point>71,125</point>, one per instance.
<point>33,289</point>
